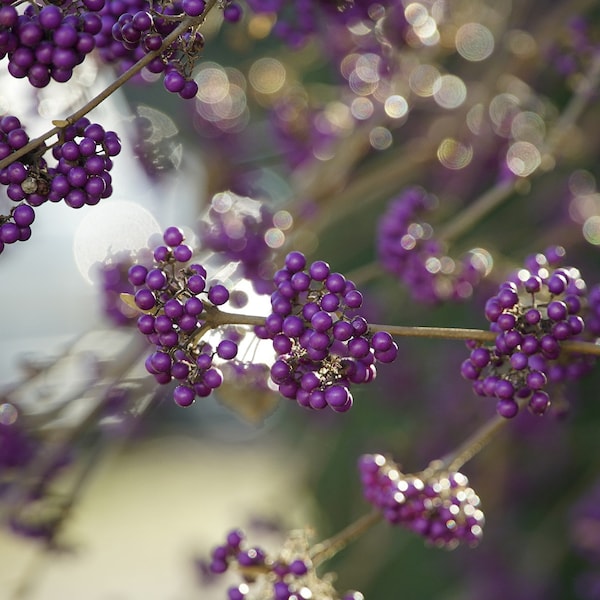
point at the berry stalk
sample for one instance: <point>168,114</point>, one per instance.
<point>217,317</point>
<point>473,444</point>
<point>328,548</point>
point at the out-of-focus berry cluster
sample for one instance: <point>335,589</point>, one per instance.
<point>532,313</point>
<point>241,230</point>
<point>585,539</point>
<point>38,513</point>
<point>575,48</point>
<point>300,19</point>
<point>436,504</point>
<point>323,345</point>
<point>175,319</point>
<point>407,248</point>
<point>290,574</point>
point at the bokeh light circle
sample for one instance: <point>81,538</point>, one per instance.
<point>474,42</point>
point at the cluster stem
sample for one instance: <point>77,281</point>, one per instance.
<point>217,317</point>
<point>330,547</point>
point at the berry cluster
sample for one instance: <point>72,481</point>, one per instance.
<point>290,575</point>
<point>146,30</point>
<point>48,42</point>
<point>436,504</point>
<point>39,512</point>
<point>300,130</point>
<point>81,175</point>
<point>113,279</point>
<point>15,227</point>
<point>574,49</point>
<point>408,250</point>
<point>238,231</point>
<point>175,319</point>
<point>16,447</point>
<point>323,346</point>
<point>84,160</point>
<point>298,20</point>
<point>133,28</point>
<point>592,318</point>
<point>532,314</point>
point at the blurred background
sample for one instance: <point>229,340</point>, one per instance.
<point>311,117</point>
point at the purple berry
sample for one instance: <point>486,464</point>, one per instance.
<point>227,349</point>
<point>184,395</point>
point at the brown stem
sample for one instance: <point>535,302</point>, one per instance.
<point>331,546</point>
<point>454,460</point>
<point>476,211</point>
<point>216,317</point>
<point>480,335</point>
<point>446,333</point>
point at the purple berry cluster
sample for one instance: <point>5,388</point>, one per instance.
<point>47,42</point>
<point>592,318</point>
<point>585,525</point>
<point>15,227</point>
<point>532,314</point>
<point>436,504</point>
<point>16,447</point>
<point>575,48</point>
<point>39,512</point>
<point>298,20</point>
<point>84,154</point>
<point>113,278</point>
<point>133,28</point>
<point>81,176</point>
<point>323,345</point>
<point>289,575</point>
<point>299,130</point>
<point>237,232</point>
<point>407,249</point>
<point>175,319</point>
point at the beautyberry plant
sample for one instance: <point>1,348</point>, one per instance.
<point>347,175</point>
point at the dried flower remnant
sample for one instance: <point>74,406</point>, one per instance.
<point>323,344</point>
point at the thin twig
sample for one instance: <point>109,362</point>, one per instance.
<point>454,460</point>
<point>331,546</point>
<point>446,333</point>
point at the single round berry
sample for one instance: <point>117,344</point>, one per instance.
<point>193,8</point>
<point>184,395</point>
<point>232,13</point>
<point>295,261</point>
<point>218,294</point>
<point>227,349</point>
